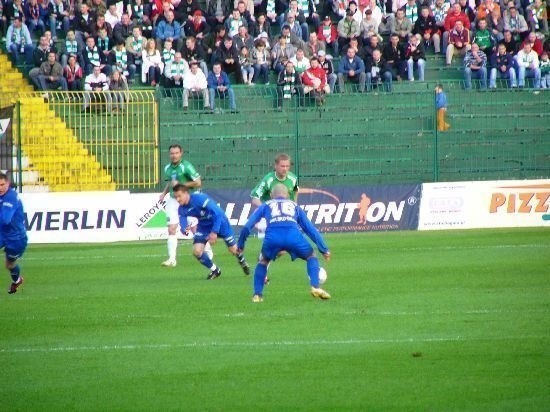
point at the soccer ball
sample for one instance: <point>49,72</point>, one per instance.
<point>322,275</point>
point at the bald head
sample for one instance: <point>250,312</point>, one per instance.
<point>279,190</point>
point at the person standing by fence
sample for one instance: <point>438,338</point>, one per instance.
<point>441,107</point>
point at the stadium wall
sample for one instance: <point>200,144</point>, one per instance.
<point>88,217</point>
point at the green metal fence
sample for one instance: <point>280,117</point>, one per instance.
<point>353,138</point>
<point>364,138</point>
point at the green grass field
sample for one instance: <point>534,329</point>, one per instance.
<point>104,327</point>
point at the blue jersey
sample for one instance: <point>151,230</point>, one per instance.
<point>12,217</point>
<point>282,216</point>
<point>209,214</point>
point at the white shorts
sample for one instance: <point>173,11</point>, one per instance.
<point>172,216</point>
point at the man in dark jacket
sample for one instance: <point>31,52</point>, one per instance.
<point>228,56</point>
<point>51,74</point>
<point>83,23</point>
<point>378,72</point>
<point>502,66</point>
<point>415,57</point>
<point>123,29</point>
<point>288,84</point>
<point>426,26</point>
<point>394,54</point>
<point>219,85</point>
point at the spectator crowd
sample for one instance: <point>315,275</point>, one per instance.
<point>312,47</point>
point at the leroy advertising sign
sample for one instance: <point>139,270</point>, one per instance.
<point>335,209</point>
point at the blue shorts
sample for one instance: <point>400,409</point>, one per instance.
<point>14,249</point>
<point>291,241</point>
<point>226,232</point>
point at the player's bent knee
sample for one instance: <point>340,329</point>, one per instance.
<point>198,251</point>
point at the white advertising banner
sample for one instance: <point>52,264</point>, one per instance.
<point>148,219</point>
<point>466,205</point>
<point>94,217</point>
<point>77,217</point>
<point>121,216</point>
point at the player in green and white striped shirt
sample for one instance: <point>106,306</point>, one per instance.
<point>182,172</point>
<point>262,192</point>
<point>282,174</point>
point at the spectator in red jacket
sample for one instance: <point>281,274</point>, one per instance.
<point>315,81</point>
<point>73,74</point>
<point>454,15</point>
<point>459,42</point>
<point>536,44</point>
<point>327,32</point>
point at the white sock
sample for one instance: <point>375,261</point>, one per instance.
<point>172,246</point>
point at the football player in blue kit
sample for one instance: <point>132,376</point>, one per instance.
<point>285,220</point>
<point>212,222</point>
<point>13,233</point>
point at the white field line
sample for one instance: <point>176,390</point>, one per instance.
<point>290,315</point>
<point>155,255</point>
<point>282,343</point>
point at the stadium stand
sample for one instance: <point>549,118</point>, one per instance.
<point>373,137</point>
<point>377,138</point>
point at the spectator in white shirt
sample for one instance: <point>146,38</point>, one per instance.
<point>194,83</point>
<point>528,63</point>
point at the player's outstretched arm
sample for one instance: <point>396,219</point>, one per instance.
<point>258,192</point>
<point>164,192</point>
<point>197,183</point>
<point>311,231</point>
<point>252,220</point>
<point>256,202</point>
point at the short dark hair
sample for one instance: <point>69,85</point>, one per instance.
<point>180,188</point>
<point>4,176</point>
<point>175,146</point>
<point>281,156</point>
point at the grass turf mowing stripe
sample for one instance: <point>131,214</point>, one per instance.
<point>405,249</point>
<point>159,346</point>
<point>104,327</point>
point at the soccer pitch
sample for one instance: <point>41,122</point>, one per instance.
<point>452,320</point>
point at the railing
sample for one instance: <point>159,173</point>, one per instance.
<point>118,130</point>
<point>353,138</point>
